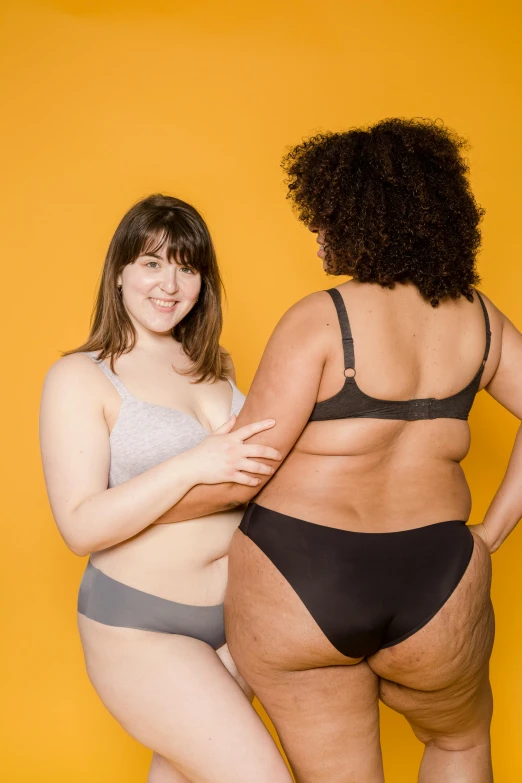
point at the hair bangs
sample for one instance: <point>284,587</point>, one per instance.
<point>183,242</point>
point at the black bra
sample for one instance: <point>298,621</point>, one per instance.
<point>352,403</point>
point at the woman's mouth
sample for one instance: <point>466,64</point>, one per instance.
<point>165,305</point>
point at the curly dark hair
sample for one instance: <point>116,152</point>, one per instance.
<point>394,202</point>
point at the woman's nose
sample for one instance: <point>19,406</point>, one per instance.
<point>170,279</point>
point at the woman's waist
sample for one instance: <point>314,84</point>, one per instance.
<point>310,547</point>
<point>193,586</point>
<point>175,558</point>
<point>307,521</point>
<point>374,441</point>
<point>377,501</point>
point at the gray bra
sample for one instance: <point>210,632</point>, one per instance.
<point>146,434</point>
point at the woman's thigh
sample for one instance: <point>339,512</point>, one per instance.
<point>324,706</point>
<point>438,678</point>
<point>162,771</point>
<point>230,665</point>
<point>174,695</point>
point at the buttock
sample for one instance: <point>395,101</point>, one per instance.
<point>113,603</point>
<point>365,591</point>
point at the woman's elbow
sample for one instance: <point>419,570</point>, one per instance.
<point>241,495</point>
<point>78,544</point>
<point>77,548</point>
<point>80,548</point>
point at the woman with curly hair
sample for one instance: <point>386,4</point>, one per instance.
<point>354,576</point>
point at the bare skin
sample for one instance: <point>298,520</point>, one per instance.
<point>323,704</point>
<point>176,695</point>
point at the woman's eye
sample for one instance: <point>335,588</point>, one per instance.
<point>187,269</point>
<point>152,264</point>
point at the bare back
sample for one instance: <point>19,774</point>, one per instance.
<point>404,349</point>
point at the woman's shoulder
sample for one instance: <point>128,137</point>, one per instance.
<point>308,316</point>
<point>75,373</point>
<point>308,306</point>
<point>71,364</point>
<point>304,329</point>
<point>496,317</point>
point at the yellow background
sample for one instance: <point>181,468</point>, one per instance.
<point>105,102</point>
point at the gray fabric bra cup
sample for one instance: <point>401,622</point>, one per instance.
<point>110,602</point>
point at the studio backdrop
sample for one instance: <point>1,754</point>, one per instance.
<point>106,101</point>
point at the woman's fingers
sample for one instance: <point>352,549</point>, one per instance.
<point>226,427</point>
<point>245,478</point>
<point>252,466</point>
<point>243,433</point>
<point>266,452</point>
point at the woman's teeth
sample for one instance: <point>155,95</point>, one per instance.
<point>162,303</point>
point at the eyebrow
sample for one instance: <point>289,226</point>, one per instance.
<point>160,258</point>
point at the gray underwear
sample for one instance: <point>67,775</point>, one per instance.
<point>110,602</point>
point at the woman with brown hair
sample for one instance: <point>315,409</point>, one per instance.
<point>353,576</point>
<point>130,421</point>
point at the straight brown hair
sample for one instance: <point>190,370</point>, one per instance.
<point>156,222</point>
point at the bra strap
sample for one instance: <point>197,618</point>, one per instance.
<point>346,332</point>
<point>488,329</point>
<point>113,378</point>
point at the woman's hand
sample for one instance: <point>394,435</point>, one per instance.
<point>224,457</point>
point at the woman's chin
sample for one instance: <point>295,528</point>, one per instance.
<point>158,327</point>
<point>328,267</point>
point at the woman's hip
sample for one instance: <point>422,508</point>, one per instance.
<point>354,593</point>
<point>112,603</point>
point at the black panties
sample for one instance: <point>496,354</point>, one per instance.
<point>365,591</point>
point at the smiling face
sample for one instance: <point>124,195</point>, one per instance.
<point>157,292</point>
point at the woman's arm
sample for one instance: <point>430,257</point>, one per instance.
<point>506,387</point>
<point>76,457</point>
<point>284,388</point>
